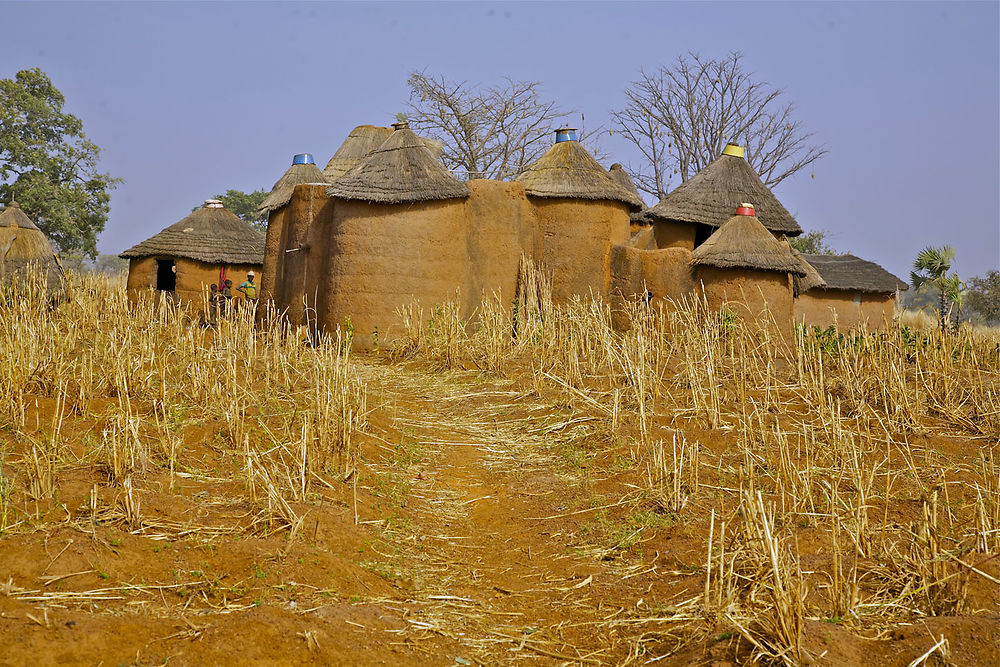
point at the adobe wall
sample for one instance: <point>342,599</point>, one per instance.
<point>141,277</point>
<point>674,235</point>
<point>274,254</point>
<point>574,243</point>
<point>376,258</point>
<point>666,272</point>
<point>749,293</point>
<point>292,267</point>
<point>313,214</point>
<point>501,225</point>
<point>825,307</point>
<point>193,278</point>
<point>642,238</point>
<point>878,310</point>
<point>364,261</point>
<point>637,272</point>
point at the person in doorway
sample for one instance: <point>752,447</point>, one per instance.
<point>226,302</point>
<point>249,289</point>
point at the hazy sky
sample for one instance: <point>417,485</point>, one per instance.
<point>189,100</point>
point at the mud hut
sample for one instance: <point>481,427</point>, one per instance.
<point>208,246</point>
<point>390,231</point>
<point>275,207</point>
<point>743,267</point>
<point>24,249</point>
<point>303,170</point>
<point>582,212</point>
<point>855,292</point>
<point>691,212</point>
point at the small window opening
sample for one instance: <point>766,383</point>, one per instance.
<point>166,275</point>
<point>857,298</point>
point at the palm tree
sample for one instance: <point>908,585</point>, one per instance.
<point>931,268</point>
<point>955,290</point>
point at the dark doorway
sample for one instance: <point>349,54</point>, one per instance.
<point>701,233</point>
<point>166,276</point>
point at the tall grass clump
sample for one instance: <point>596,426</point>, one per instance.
<point>148,371</point>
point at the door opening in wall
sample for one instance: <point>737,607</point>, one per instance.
<point>701,233</point>
<point>166,275</point>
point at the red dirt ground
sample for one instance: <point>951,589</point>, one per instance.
<point>491,527</point>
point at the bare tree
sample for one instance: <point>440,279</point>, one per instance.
<point>487,131</point>
<point>681,117</point>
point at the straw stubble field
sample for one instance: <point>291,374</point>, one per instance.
<point>534,488</point>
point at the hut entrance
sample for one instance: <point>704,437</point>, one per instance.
<point>166,275</point>
<point>701,234</point>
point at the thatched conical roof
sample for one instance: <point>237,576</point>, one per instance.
<point>569,170</point>
<point>211,234</point>
<point>618,173</point>
<point>847,272</point>
<point>401,170</point>
<point>742,242</point>
<point>711,196</point>
<point>23,247</point>
<point>358,145</point>
<point>811,279</point>
<point>281,193</point>
<point>11,215</point>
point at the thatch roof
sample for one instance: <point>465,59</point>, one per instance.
<point>621,176</point>
<point>711,196</point>
<point>401,170</point>
<point>362,142</point>
<point>569,170</point>
<point>282,191</point>
<point>12,216</point>
<point>742,242</point>
<point>847,272</point>
<point>811,279</point>
<point>211,234</point>
<point>23,246</point>
<point>358,145</point>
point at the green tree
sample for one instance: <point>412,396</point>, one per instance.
<point>48,164</point>
<point>244,205</point>
<point>813,243</point>
<point>984,296</point>
<point>931,268</point>
<point>110,264</point>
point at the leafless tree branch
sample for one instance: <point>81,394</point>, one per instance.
<point>487,131</point>
<point>680,118</point>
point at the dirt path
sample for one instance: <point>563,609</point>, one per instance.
<point>488,538</point>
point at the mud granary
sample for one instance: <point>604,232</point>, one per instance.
<point>386,225</point>
<point>25,251</point>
